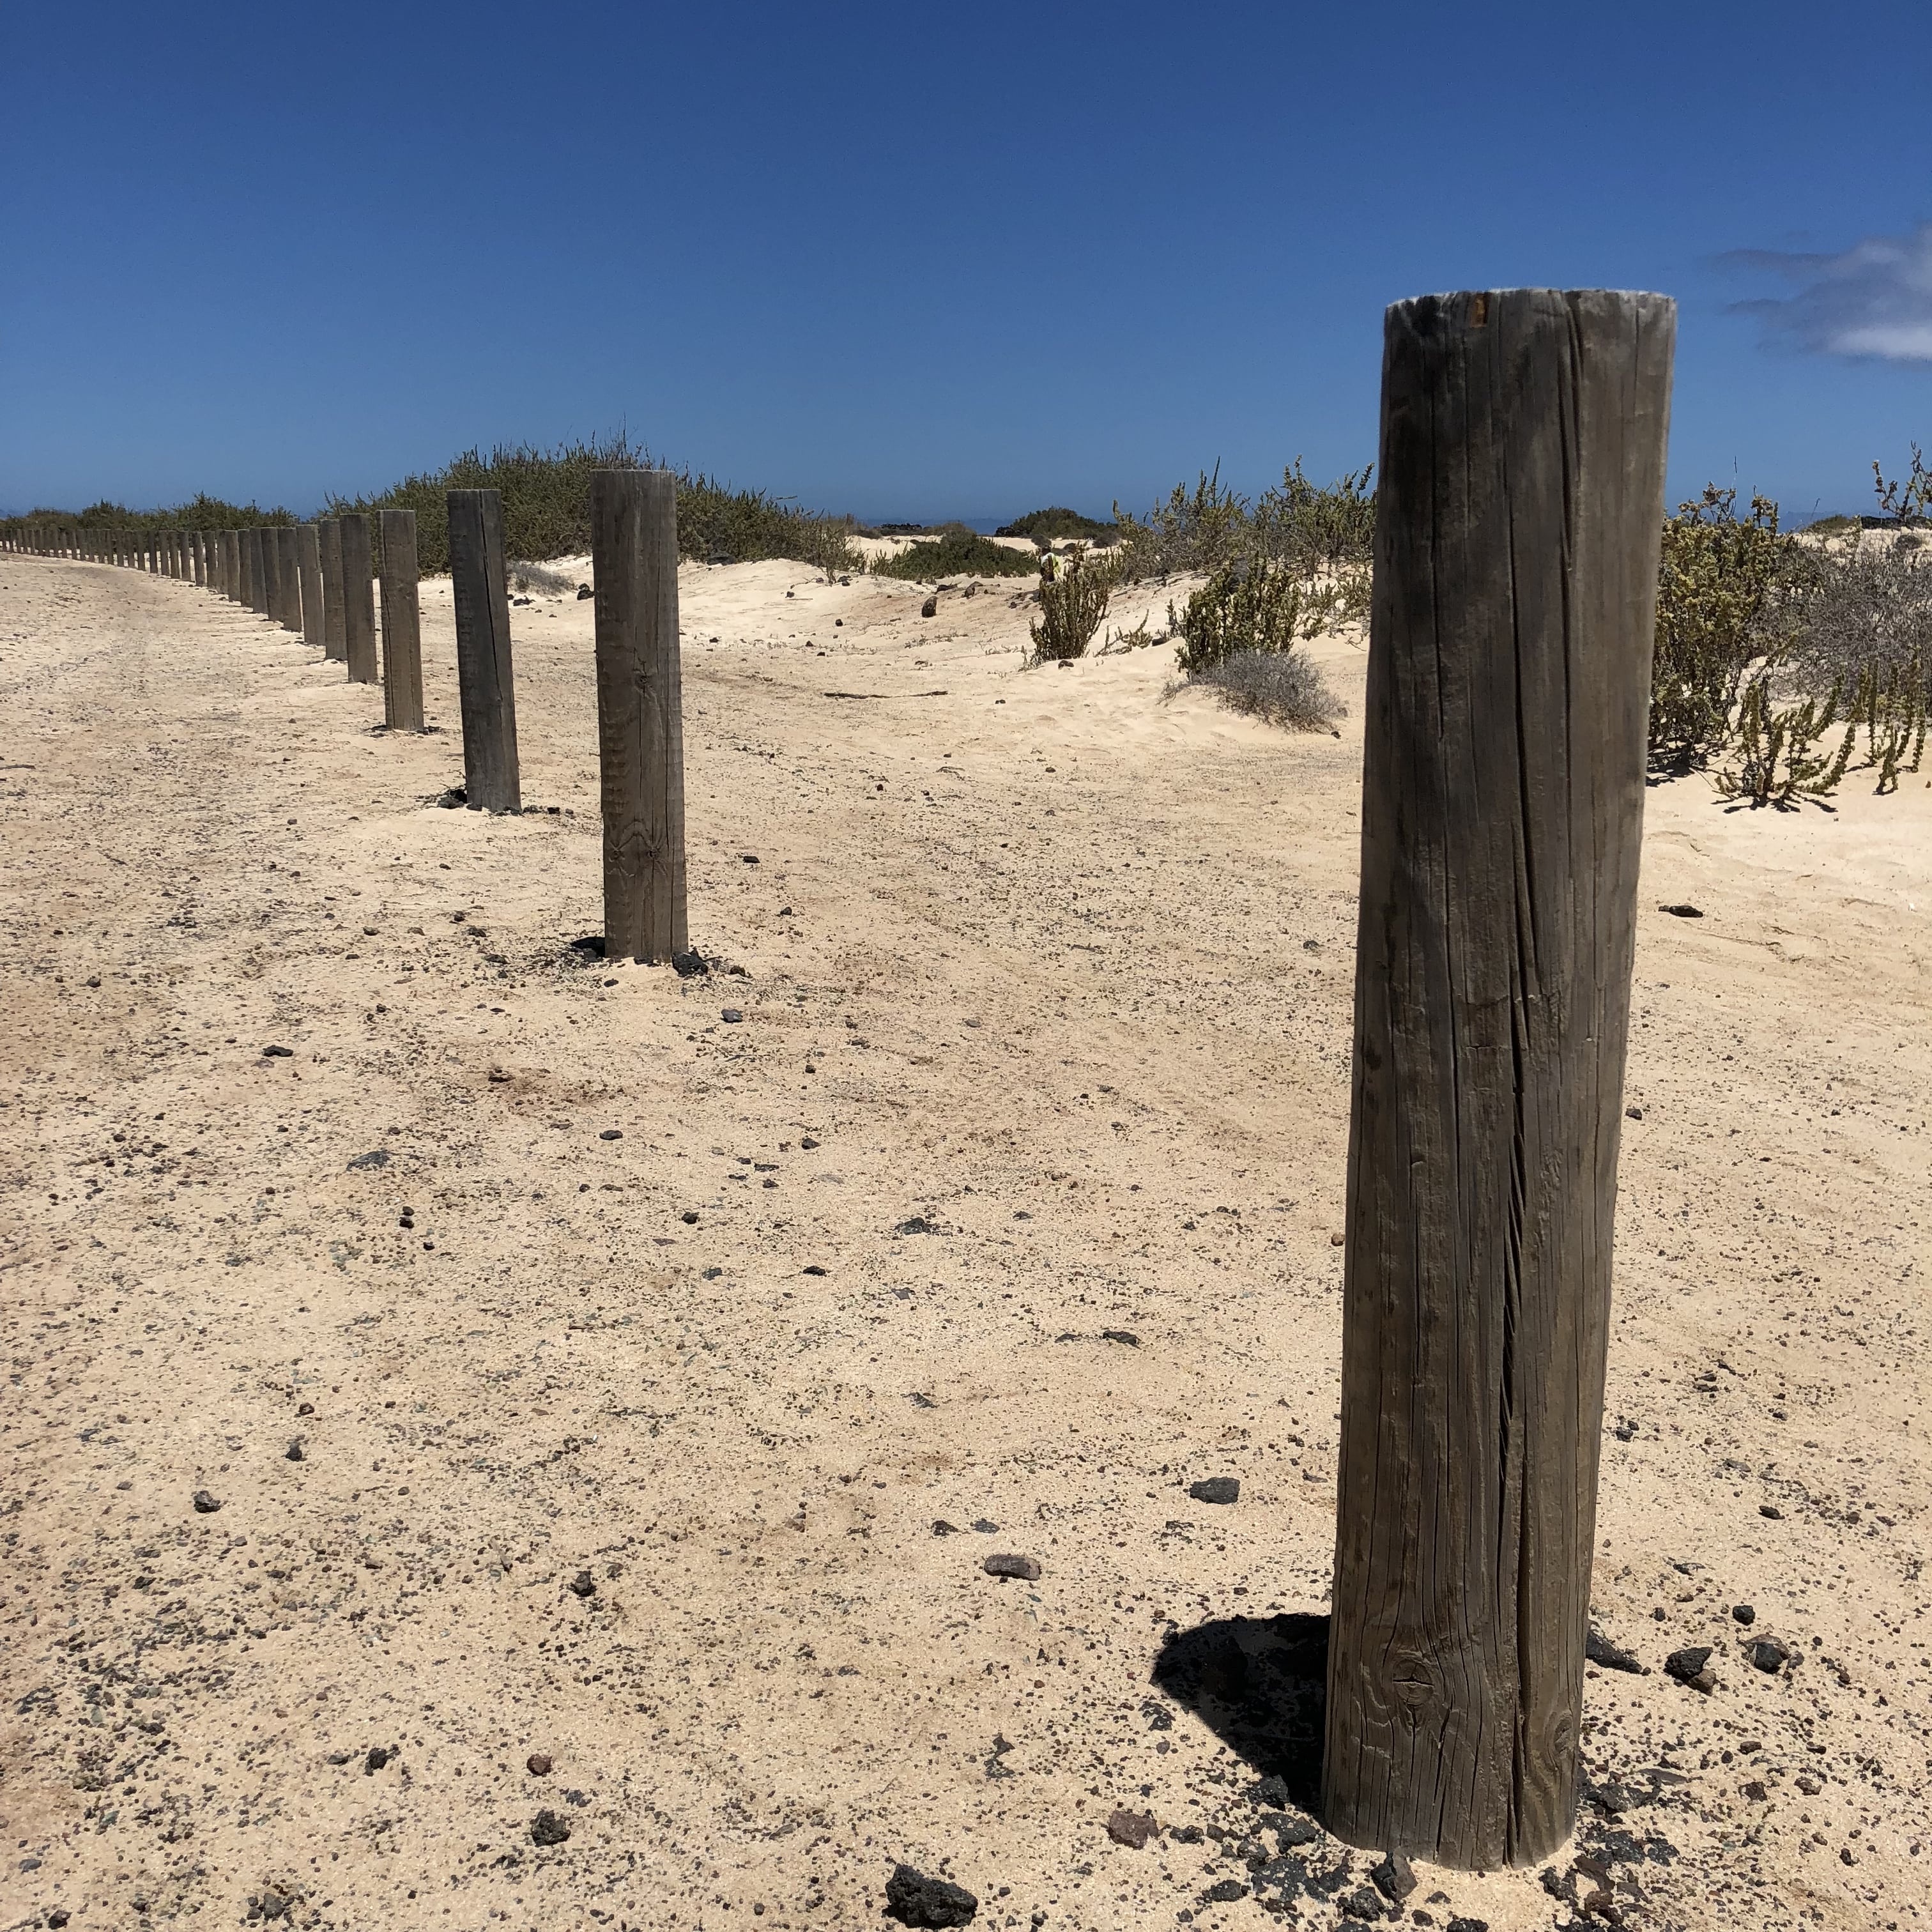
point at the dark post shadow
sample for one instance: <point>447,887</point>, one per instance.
<point>1260,1684</point>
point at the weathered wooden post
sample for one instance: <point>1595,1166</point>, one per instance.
<point>308,564</point>
<point>231,566</point>
<point>1518,515</point>
<point>640,711</point>
<point>272,575</point>
<point>256,581</point>
<point>288,571</point>
<point>359,602</point>
<point>402,624</point>
<point>328,538</point>
<point>485,681</point>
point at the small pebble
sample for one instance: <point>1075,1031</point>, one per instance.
<point>547,1829</point>
<point>1215,1490</point>
<point>1743,1613</point>
<point>538,1764</point>
<point>205,1504</point>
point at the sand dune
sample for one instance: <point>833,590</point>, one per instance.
<point>638,1335</point>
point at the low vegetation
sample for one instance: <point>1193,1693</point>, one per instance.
<point>1775,654</point>
<point>1060,525</point>
<point>1071,607</point>
<point>1315,532</point>
<point>1286,687</point>
<point>199,513</point>
<point>956,552</point>
<point>1239,634</point>
<point>546,496</point>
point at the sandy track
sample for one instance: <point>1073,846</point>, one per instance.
<point>1056,978</point>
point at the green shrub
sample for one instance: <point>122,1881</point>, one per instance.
<point>956,552</point>
<point>1719,578</point>
<point>1199,531</point>
<point>1057,526</point>
<point>1776,762</point>
<point>1317,531</point>
<point>1250,605</point>
<point>1072,607</point>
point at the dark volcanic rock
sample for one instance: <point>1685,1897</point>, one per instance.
<point>1686,1665</point>
<point>1769,1655</point>
<point>914,1899</point>
<point>1229,1889</point>
<point>1132,1829</point>
<point>1362,1903</point>
<point>378,1756</point>
<point>583,1585</point>
<point>547,1829</point>
<point>538,1764</point>
<point>1394,1878</point>
<point>1743,1613</point>
<point>1215,1490</point>
<point>1599,1649</point>
<point>1025,1567</point>
<point>205,1504</point>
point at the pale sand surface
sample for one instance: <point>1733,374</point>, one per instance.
<point>1072,965</point>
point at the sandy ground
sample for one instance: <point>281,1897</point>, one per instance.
<point>1005,1205</point>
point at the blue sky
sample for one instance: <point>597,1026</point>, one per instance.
<point>919,263</point>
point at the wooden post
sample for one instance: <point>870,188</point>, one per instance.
<point>198,557</point>
<point>1519,509</point>
<point>402,624</point>
<point>358,603</point>
<point>308,563</point>
<point>640,711</point>
<point>231,567</point>
<point>272,575</point>
<point>288,572</point>
<point>328,538</point>
<point>484,680</point>
<point>251,567</point>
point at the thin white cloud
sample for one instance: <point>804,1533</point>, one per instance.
<point>1873,301</point>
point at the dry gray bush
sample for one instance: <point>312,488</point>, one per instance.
<point>1283,687</point>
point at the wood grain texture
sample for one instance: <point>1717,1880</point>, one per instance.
<point>1519,505</point>
<point>485,679</point>
<point>358,600</point>
<point>251,567</point>
<point>402,623</point>
<point>640,711</point>
<point>198,550</point>
<point>334,641</point>
<point>308,563</point>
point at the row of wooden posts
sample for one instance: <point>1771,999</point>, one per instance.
<point>1519,505</point>
<point>317,580</point>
